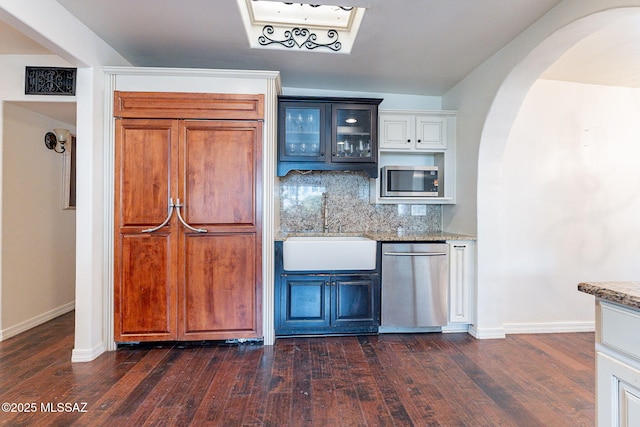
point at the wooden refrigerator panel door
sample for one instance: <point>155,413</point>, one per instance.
<point>143,170</point>
<point>221,181</point>
<point>145,297</point>
<point>220,184</point>
<point>220,295</point>
<point>145,273</point>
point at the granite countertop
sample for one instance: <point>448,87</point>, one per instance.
<point>626,293</point>
<point>385,236</point>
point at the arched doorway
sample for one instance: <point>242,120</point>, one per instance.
<point>493,241</point>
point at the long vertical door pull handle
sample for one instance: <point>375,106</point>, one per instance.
<point>166,221</point>
<point>178,205</point>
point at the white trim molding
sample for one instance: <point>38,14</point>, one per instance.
<point>36,320</point>
<point>486,333</point>
<point>549,327</point>
<point>78,355</point>
<point>531,328</point>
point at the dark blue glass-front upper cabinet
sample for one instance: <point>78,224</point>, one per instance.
<point>328,134</point>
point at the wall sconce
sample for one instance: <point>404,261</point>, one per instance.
<point>52,140</point>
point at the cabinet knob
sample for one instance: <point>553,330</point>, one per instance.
<point>408,140</point>
<point>419,140</point>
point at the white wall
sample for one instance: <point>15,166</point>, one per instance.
<point>488,101</point>
<point>12,89</point>
<point>38,239</point>
<point>489,98</point>
<point>12,81</point>
<point>390,101</point>
<point>570,202</point>
<point>21,305</point>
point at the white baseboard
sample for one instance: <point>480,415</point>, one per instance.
<point>14,330</point>
<point>549,328</point>
<point>87,355</point>
<point>486,333</point>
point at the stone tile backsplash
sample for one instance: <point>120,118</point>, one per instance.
<point>349,210</point>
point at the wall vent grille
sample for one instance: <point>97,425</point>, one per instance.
<point>50,81</point>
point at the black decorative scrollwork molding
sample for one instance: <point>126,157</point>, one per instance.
<point>300,37</point>
<point>345,8</point>
<point>50,81</point>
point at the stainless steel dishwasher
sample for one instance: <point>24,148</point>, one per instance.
<point>415,279</point>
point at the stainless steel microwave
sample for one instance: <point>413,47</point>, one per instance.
<point>409,181</point>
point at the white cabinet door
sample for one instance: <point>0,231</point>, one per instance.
<point>618,392</point>
<point>431,133</point>
<point>461,281</point>
<point>396,131</point>
<point>629,408</point>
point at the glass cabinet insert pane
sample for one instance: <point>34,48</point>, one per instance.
<point>353,134</point>
<point>302,132</point>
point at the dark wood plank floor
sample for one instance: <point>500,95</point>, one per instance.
<point>386,380</point>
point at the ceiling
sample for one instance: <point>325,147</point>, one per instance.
<point>419,47</point>
<point>609,57</point>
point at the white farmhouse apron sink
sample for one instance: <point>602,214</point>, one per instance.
<point>301,253</point>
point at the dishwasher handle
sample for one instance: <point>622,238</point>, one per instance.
<point>415,253</point>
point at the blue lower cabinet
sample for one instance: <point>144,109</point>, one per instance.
<point>327,304</point>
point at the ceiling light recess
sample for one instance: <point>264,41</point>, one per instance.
<point>300,26</point>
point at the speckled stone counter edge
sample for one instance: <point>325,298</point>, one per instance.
<point>625,293</point>
<point>386,237</point>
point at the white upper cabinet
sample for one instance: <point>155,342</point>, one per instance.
<point>415,131</point>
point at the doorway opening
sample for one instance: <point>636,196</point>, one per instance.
<point>38,229</point>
